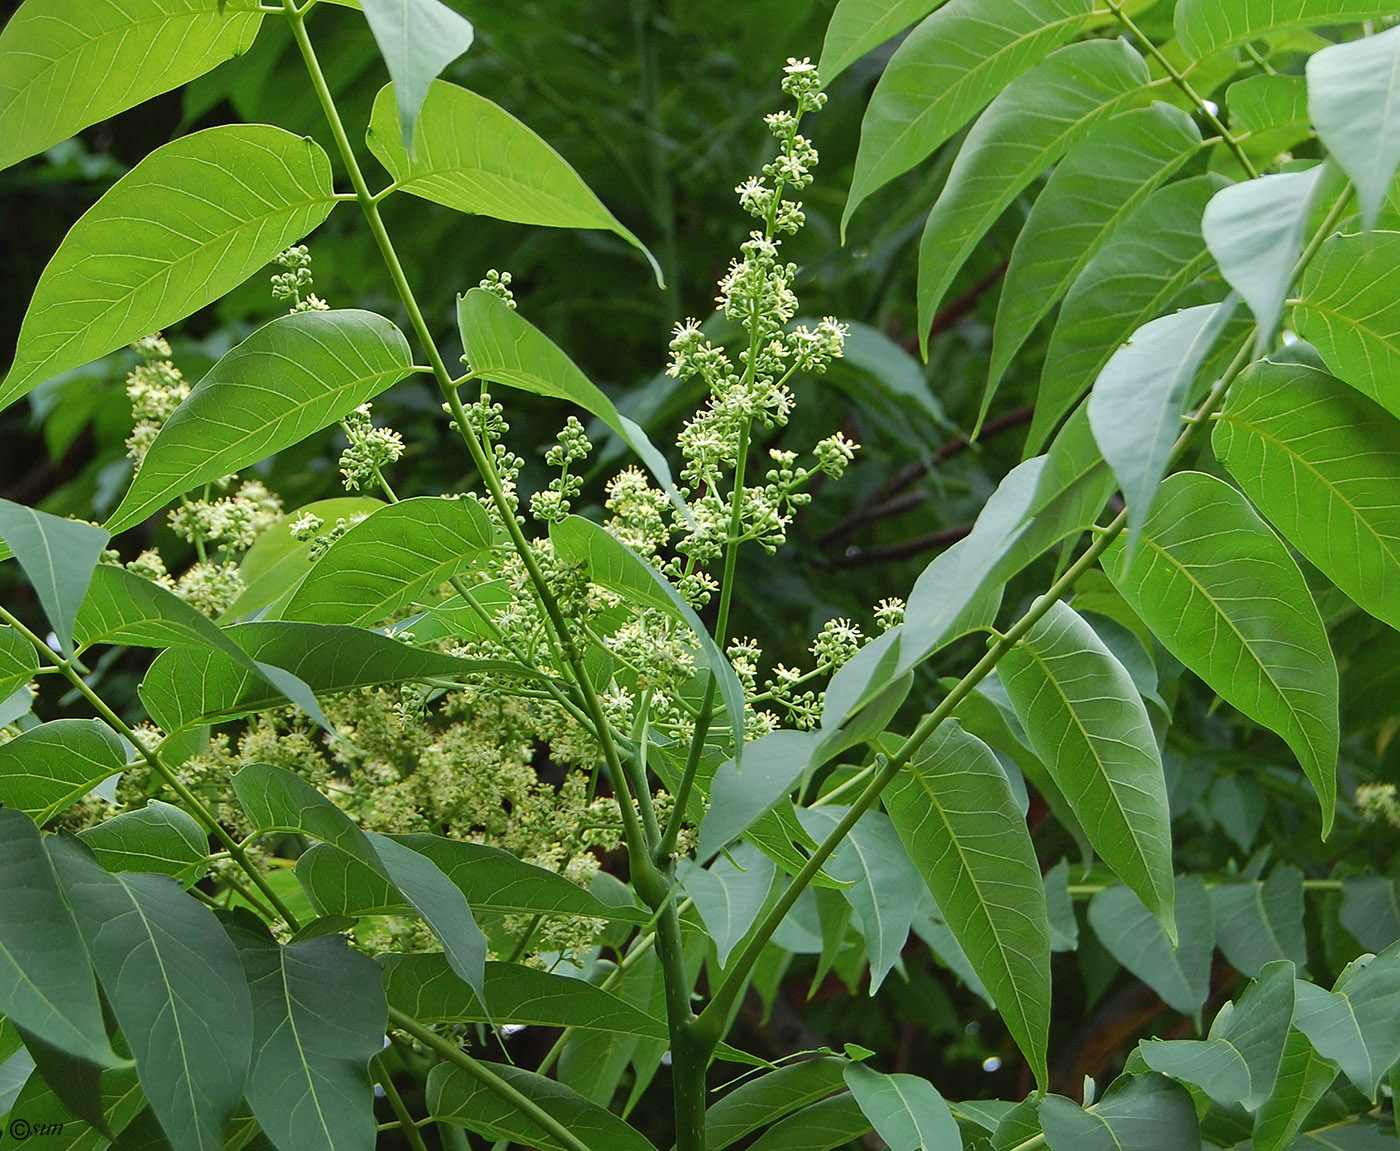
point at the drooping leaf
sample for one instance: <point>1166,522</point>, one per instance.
<point>318,1019</point>
<point>425,987</point>
<point>122,607</point>
<point>1093,190</point>
<point>618,568</point>
<point>456,1097</point>
<point>176,989</point>
<point>946,70</point>
<point>1354,1023</point>
<point>740,794</point>
<point>1207,26</point>
<point>1087,723</point>
<point>1255,232</point>
<point>505,348</point>
<point>1138,399</point>
<point>50,767</point>
<point>57,556</point>
<point>906,1111</point>
<point>1371,910</point>
<point>829,1123</point>
<point>186,686</point>
<point>291,377</point>
<point>857,26</point>
<point>157,838</point>
<point>418,39</point>
<point>1147,1113</point>
<point>1223,595</point>
<point>389,559</point>
<point>18,661</point>
<point>64,67</point>
<point>1303,1077</point>
<point>1322,463</point>
<point>1272,110</point>
<point>191,221</point>
<point>46,982</point>
<point>1349,311</point>
<point>1153,260</point>
<point>1180,974</point>
<point>762,1101</point>
<point>1257,923</point>
<point>1030,124</point>
<point>1239,1062</point>
<point>729,894</point>
<point>955,813</point>
<point>883,886</point>
<point>475,157</point>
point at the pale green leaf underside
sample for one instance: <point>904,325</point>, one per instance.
<point>57,556</point>
<point>1223,595</point>
<point>418,39</point>
<point>1148,1111</point>
<point>962,828</point>
<point>290,378</point>
<point>191,221</point>
<point>389,559</point>
<point>1179,974</point>
<point>1087,724</point>
<point>473,156</point>
<point>907,1111</point>
<point>1303,1077</point>
<point>947,69</point>
<point>65,64</point>
<point>1257,923</point>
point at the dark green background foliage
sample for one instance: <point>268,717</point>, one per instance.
<point>1098,848</point>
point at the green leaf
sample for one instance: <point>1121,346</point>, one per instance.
<point>832,1122</point>
<point>882,885</point>
<point>505,348</point>
<point>1093,190</point>
<point>739,795</point>
<point>176,989</point>
<point>1303,1077</point>
<point>191,221</point>
<point>57,556</point>
<point>857,26</point>
<point>1322,463</point>
<point>157,838</point>
<point>962,828</point>
<point>122,607</point>
<point>1350,311</point>
<point>1239,1062</point>
<point>389,559</point>
<point>186,686</point>
<point>1223,595</point>
<point>120,1098</point>
<point>1354,1023</point>
<point>613,565</point>
<point>1257,923</point>
<point>418,39</point>
<point>729,894</point>
<point>944,72</point>
<point>425,987</point>
<point>1029,126</point>
<point>1138,399</point>
<point>1371,910</point>
<point>456,1097</point>
<point>1208,26</point>
<point>1353,100</point>
<point>46,983</point>
<point>1064,927</point>
<point>761,1102</point>
<point>1147,1113</point>
<point>18,661</point>
<point>1255,232</point>
<point>293,376</point>
<point>277,800</point>
<point>473,156</point>
<point>1179,974</point>
<point>905,1110</point>
<point>65,67</point>
<point>1155,259</point>
<point>1087,724</point>
<point>318,1018</point>
<point>48,768</point>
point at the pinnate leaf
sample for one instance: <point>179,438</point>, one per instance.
<point>158,838</point>
<point>857,26</point>
<point>49,768</point>
<point>1207,26</point>
<point>1179,974</point>
<point>1147,1113</point>
<point>1303,1077</point>
<point>1354,1023</point>
<point>906,1111</point>
<point>1259,922</point>
<point>58,556</point>
<point>418,39</point>
<point>762,1101</point>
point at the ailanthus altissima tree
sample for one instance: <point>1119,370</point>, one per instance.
<point>415,768</point>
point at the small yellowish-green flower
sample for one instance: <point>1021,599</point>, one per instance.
<point>306,525</point>
<point>1379,803</point>
<point>889,613</point>
<point>370,449</point>
<point>210,587</point>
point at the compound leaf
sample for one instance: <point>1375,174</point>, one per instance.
<point>48,768</point>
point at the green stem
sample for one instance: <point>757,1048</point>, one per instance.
<point>483,1074</point>
<point>1089,890</point>
<point>407,1123</point>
